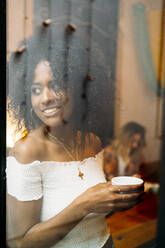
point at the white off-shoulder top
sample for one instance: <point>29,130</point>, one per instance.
<point>58,184</point>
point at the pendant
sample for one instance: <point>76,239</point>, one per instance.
<point>80,174</point>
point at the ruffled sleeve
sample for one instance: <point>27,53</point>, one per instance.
<point>24,181</point>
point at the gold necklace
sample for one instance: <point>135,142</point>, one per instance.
<point>67,149</point>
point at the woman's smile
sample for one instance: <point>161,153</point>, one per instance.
<point>50,112</point>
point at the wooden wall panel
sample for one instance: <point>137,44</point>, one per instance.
<point>19,26</point>
<point>19,22</point>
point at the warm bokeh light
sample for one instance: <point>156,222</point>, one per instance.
<point>11,135</point>
<point>9,140</point>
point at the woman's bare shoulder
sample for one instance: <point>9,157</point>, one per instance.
<point>28,148</point>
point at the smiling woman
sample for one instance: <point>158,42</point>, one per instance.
<point>55,178</point>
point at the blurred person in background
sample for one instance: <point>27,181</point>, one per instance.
<point>124,156</point>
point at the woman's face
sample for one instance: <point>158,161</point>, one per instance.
<point>51,104</point>
<point>136,142</point>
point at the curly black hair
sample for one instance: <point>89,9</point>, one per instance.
<point>20,73</point>
<point>77,66</point>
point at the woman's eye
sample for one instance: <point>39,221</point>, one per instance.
<point>36,91</point>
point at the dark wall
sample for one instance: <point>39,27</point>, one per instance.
<point>3,125</point>
<point>161,219</point>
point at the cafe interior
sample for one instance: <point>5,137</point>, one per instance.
<point>128,37</point>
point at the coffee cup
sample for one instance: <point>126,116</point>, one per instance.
<point>126,180</point>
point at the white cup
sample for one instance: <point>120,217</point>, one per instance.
<point>126,180</point>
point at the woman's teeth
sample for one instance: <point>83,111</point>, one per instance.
<point>48,111</point>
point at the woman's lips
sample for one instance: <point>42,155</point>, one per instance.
<point>52,111</point>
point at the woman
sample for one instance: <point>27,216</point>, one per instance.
<point>124,155</point>
<point>57,192</point>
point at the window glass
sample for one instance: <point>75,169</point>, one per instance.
<point>84,105</point>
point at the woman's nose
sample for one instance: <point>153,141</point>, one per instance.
<point>47,96</point>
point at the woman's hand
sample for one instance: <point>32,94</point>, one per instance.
<point>105,197</point>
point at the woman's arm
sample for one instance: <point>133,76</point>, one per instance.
<point>29,232</point>
<point>101,198</point>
